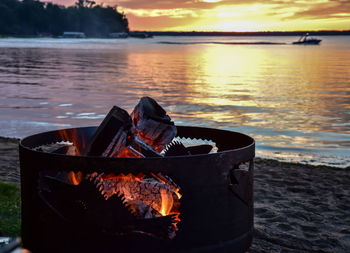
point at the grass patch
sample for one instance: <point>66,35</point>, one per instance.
<point>10,209</point>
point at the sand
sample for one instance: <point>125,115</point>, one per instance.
<point>298,208</point>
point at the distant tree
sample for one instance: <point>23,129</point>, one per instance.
<point>72,19</point>
<point>56,18</point>
<point>30,17</point>
<point>98,20</point>
<point>7,19</point>
<point>85,3</point>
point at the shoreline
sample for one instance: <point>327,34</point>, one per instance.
<point>297,207</point>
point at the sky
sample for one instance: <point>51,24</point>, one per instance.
<point>231,15</point>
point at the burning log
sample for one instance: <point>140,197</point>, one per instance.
<point>141,210</point>
<point>84,204</point>
<point>152,123</point>
<point>161,196</point>
<point>111,136</point>
<point>114,138</point>
<point>148,131</point>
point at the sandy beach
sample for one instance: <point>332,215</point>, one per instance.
<point>298,208</point>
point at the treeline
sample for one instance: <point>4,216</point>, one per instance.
<point>293,33</point>
<point>32,17</point>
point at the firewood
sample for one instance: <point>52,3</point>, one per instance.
<point>147,190</point>
<point>114,138</point>
<point>111,136</point>
<point>136,143</point>
<point>84,206</point>
<point>152,123</point>
<point>141,210</point>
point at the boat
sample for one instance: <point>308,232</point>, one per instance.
<point>75,35</point>
<point>305,40</point>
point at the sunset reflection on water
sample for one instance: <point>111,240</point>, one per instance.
<point>289,98</point>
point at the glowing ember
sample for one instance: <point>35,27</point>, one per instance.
<point>158,195</point>
<point>130,152</point>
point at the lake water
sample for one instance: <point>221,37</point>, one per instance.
<point>294,100</point>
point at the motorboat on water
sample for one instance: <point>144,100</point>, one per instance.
<point>305,40</point>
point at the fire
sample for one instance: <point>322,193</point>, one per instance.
<point>74,178</point>
<point>146,197</point>
<point>71,135</point>
<point>167,200</point>
<point>164,180</point>
<point>167,203</point>
<point>141,193</point>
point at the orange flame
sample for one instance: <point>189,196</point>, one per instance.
<point>74,178</point>
<point>167,202</point>
<point>71,135</point>
<point>164,180</point>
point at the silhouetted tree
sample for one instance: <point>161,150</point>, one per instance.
<point>8,16</point>
<point>85,3</point>
<point>30,17</point>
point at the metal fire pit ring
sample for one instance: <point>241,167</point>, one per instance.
<point>216,207</point>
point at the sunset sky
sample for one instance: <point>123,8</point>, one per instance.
<point>232,15</point>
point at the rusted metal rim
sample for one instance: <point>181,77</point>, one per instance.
<point>227,141</point>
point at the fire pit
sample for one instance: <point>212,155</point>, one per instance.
<point>216,204</point>
<point>137,183</point>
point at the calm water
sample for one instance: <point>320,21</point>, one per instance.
<point>294,100</point>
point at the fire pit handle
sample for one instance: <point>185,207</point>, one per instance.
<point>240,182</point>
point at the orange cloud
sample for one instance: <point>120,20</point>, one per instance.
<point>327,9</point>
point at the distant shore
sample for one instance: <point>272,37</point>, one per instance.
<point>213,33</point>
<point>194,33</point>
<point>298,208</point>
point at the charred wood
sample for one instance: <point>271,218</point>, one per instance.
<point>152,123</point>
<point>114,138</point>
<point>111,136</point>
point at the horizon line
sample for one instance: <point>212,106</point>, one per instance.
<point>198,31</point>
